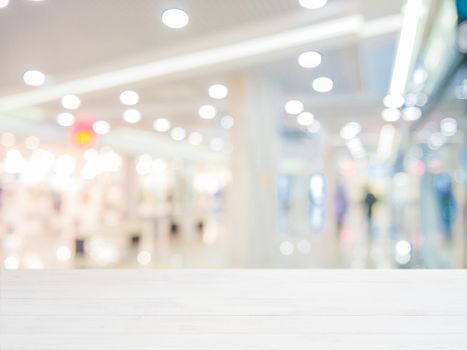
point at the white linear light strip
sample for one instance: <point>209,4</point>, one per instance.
<point>386,142</point>
<point>406,49</point>
<point>294,38</point>
<point>381,26</point>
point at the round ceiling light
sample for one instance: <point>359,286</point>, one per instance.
<point>129,98</point>
<point>218,91</point>
<point>132,116</point>
<point>34,78</point>
<point>65,119</point>
<point>315,127</point>
<point>313,4</point>
<point>207,112</point>
<point>294,107</point>
<point>178,134</point>
<point>309,59</point>
<point>391,115</point>
<point>227,122</point>
<point>175,18</point>
<point>323,84</point>
<point>350,130</point>
<point>420,76</point>
<point>394,101</point>
<point>411,114</point>
<point>101,127</point>
<point>71,102</point>
<point>161,125</point>
<point>305,119</point>
<point>449,126</point>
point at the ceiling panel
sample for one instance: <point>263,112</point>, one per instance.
<point>65,36</point>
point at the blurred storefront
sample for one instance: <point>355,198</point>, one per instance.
<point>336,138</point>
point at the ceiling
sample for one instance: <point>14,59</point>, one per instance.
<point>71,40</point>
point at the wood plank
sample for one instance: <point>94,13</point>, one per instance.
<point>233,309</point>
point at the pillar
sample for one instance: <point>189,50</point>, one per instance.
<point>252,196</point>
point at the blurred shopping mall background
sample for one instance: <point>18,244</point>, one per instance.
<point>220,133</point>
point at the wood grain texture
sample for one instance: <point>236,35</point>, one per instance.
<point>233,309</point>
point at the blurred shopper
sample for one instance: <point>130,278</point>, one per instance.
<point>369,202</point>
<point>446,204</point>
<point>200,229</point>
<point>341,206</point>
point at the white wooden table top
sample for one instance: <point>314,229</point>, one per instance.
<point>233,309</point>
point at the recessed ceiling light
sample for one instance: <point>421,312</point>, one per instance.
<point>411,114</point>
<point>195,138</point>
<point>65,119</point>
<point>178,134</point>
<point>305,119</point>
<point>129,98</point>
<point>315,127</point>
<point>419,99</point>
<point>309,59</point>
<point>461,92</point>
<point>4,3</point>
<point>71,102</point>
<point>313,4</point>
<point>175,18</point>
<point>350,130</point>
<point>101,127</point>
<point>323,84</point>
<point>161,125</point>
<point>294,107</point>
<point>227,122</point>
<point>422,99</point>
<point>391,114</point>
<point>410,100</point>
<point>449,126</point>
<point>207,112</point>
<point>132,116</point>
<point>218,91</point>
<point>394,101</point>
<point>420,76</point>
<point>34,78</point>
<point>436,141</point>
